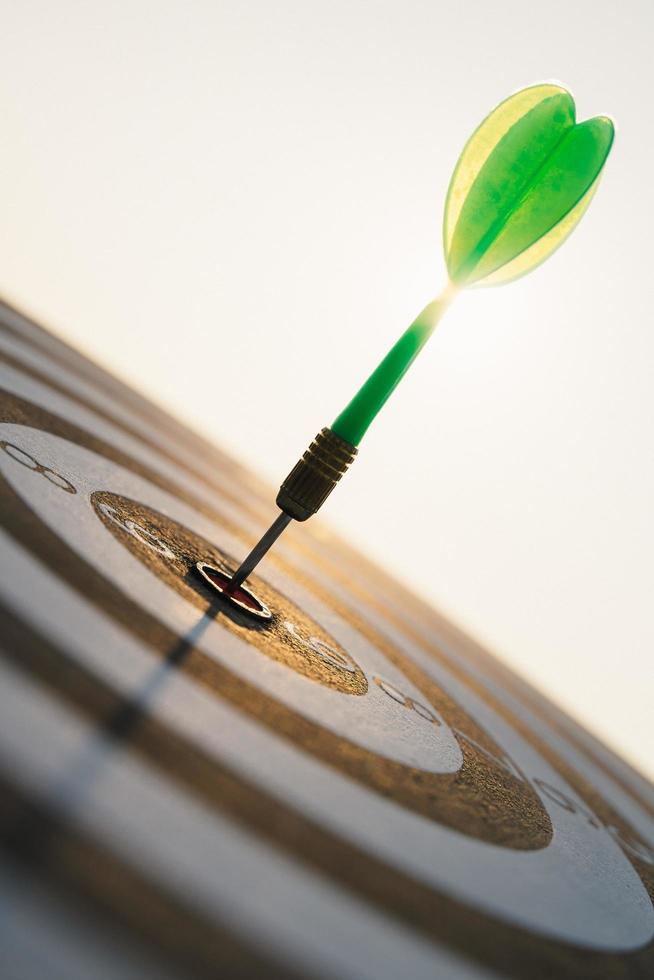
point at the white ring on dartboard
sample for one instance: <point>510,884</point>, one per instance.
<point>580,888</point>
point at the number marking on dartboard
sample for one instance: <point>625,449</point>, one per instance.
<point>412,704</point>
<point>25,459</point>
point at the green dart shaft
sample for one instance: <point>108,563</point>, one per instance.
<point>353,422</point>
<point>316,474</point>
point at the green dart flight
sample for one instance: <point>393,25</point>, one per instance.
<point>522,183</point>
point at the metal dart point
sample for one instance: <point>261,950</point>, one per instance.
<point>260,549</point>
<point>303,492</point>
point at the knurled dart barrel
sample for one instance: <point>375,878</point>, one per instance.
<point>313,478</point>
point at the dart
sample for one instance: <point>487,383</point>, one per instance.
<point>521,184</point>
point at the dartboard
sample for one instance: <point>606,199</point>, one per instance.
<point>347,787</point>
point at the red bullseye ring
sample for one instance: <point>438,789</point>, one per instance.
<point>239,596</point>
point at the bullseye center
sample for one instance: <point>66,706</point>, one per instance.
<point>239,595</point>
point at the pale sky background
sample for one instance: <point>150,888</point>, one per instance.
<point>237,207</point>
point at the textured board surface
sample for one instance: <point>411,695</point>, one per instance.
<point>353,790</point>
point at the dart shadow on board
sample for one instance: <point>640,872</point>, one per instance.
<point>37,823</point>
